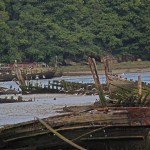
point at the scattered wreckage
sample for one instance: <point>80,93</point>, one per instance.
<point>121,123</point>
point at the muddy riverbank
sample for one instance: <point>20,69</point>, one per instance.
<point>42,105</point>
<point>45,105</point>
<point>115,71</point>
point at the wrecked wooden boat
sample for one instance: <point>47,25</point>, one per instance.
<point>118,82</point>
<point>28,73</point>
<point>115,81</point>
<point>28,76</point>
<point>13,99</point>
<point>126,128</point>
<point>4,90</point>
<point>103,126</point>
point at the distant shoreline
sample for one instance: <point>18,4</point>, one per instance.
<point>117,68</point>
<point>115,71</point>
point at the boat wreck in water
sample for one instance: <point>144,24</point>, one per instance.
<point>109,128</point>
<point>28,73</point>
<point>106,125</point>
<point>4,91</point>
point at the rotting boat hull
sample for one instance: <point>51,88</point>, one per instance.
<point>117,129</point>
<point>33,76</point>
<point>122,138</point>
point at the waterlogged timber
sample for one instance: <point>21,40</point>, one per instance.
<point>100,128</point>
<point>117,82</point>
<point>31,74</point>
<point>4,90</point>
<point>87,127</point>
<point>12,99</point>
<point>121,124</point>
<point>61,86</point>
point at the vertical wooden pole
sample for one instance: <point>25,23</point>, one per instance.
<point>19,76</point>
<point>56,63</point>
<point>139,85</point>
<point>90,64</point>
<point>98,85</point>
<point>106,67</point>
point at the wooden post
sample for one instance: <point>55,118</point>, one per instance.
<point>19,76</point>
<point>139,85</point>
<point>56,63</point>
<point>97,81</point>
<point>56,84</point>
<point>53,84</point>
<point>106,67</point>
<point>49,84</point>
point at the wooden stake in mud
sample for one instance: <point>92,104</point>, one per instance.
<point>59,135</point>
<point>139,85</point>
<point>56,63</point>
<point>19,76</point>
<point>98,85</point>
<point>107,68</point>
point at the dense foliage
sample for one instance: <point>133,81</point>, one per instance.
<point>38,30</point>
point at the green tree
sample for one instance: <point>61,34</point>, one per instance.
<point>39,30</point>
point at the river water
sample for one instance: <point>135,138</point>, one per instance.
<point>44,105</point>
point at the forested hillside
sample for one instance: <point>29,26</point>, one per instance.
<point>38,30</point>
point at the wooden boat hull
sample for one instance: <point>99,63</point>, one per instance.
<point>119,137</point>
<point>119,129</point>
<point>34,76</point>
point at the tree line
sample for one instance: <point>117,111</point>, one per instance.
<point>39,30</point>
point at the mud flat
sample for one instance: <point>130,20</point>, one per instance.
<point>116,71</point>
<point>42,105</point>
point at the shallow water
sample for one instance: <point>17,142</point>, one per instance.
<point>88,79</point>
<point>45,105</point>
<point>83,79</point>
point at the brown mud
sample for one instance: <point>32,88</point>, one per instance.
<point>115,71</point>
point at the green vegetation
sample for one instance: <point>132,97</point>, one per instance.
<point>38,30</point>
